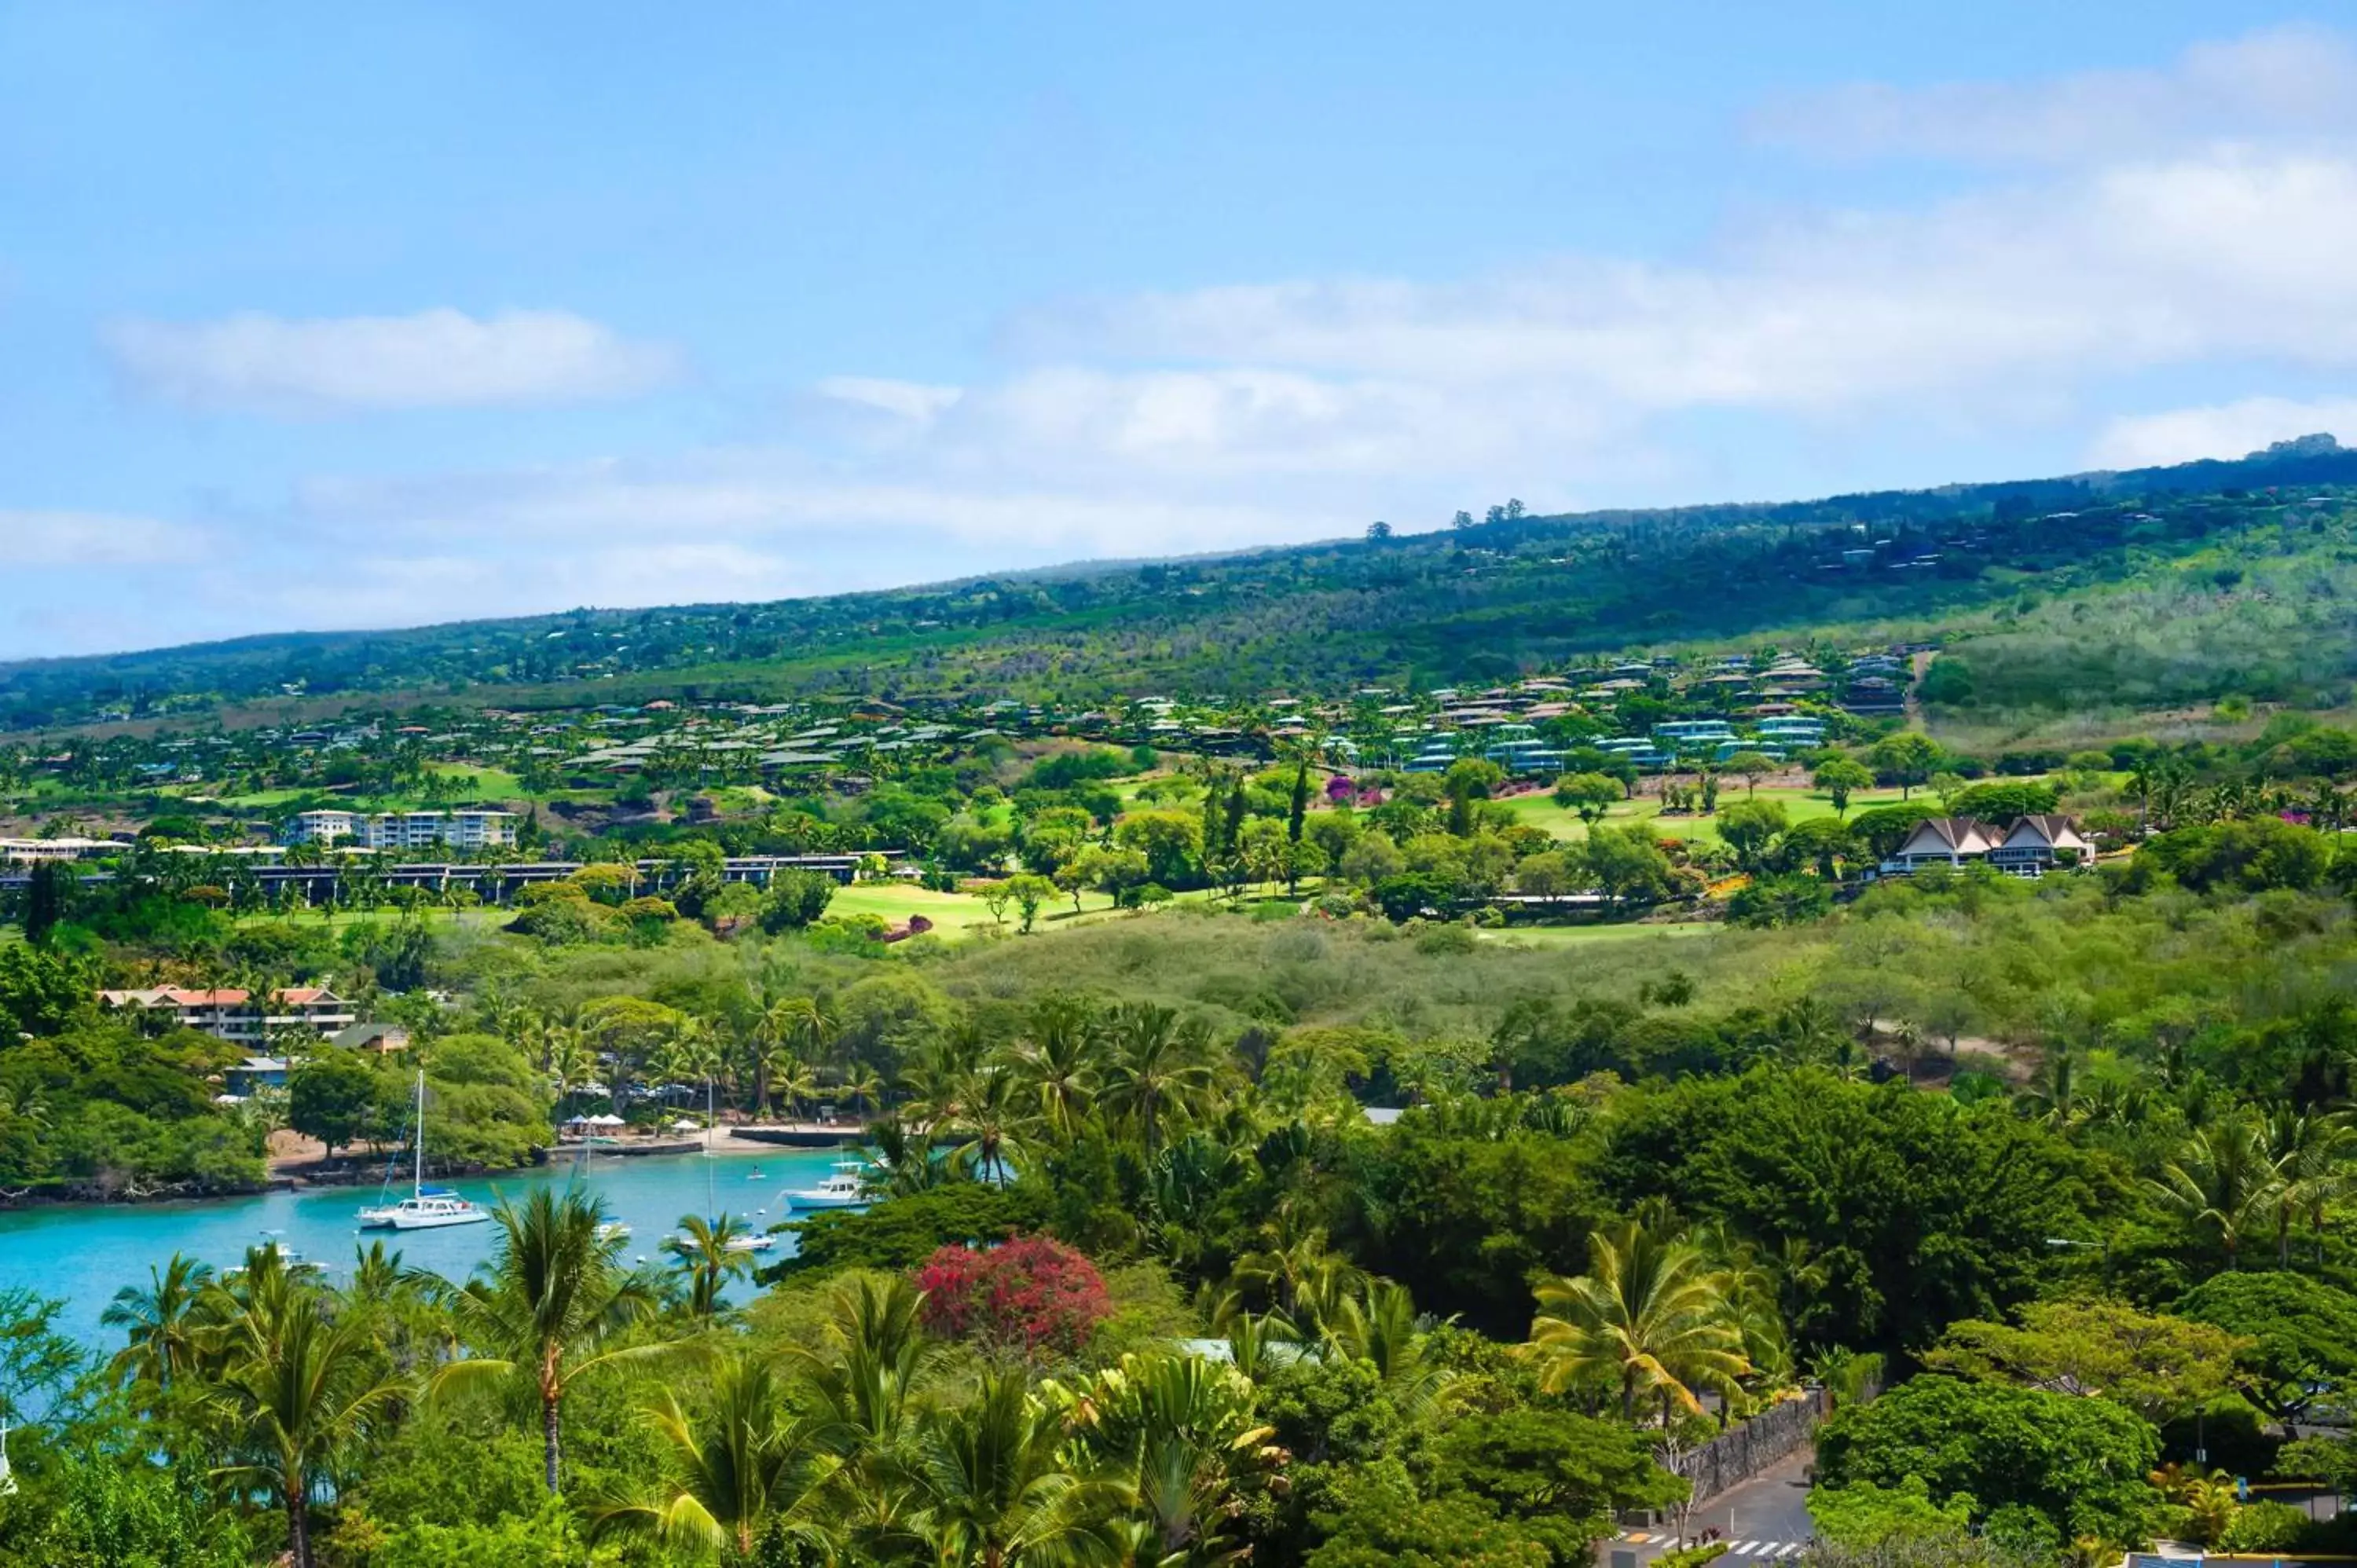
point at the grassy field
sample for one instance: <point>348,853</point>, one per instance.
<point>1591,935</point>
<point>1799,802</point>
<point>955,914</point>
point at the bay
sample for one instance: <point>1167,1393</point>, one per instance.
<point>83,1253</point>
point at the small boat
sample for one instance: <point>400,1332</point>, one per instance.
<point>846,1188</point>
<point>613,1231</point>
<point>755,1175</point>
<point>293,1262</point>
<point>425,1207</point>
<point>752,1243</point>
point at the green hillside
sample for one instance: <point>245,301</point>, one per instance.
<point>2154,586</point>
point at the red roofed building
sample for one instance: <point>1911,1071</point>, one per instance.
<point>234,1016</point>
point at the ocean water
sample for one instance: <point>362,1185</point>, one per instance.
<point>83,1253</point>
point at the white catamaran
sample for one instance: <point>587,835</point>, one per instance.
<point>425,1207</point>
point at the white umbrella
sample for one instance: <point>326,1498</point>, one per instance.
<point>685,1125</point>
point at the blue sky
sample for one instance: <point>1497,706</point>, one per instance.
<point>320,319</point>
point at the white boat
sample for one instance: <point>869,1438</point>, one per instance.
<point>752,1243</point>
<point>425,1207</point>
<point>846,1188</point>
<point>613,1231</point>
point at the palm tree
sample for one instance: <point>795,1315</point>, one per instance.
<point>296,1390</point>
<point>552,1296</point>
<point>990,1123</point>
<point>737,1473</point>
<point>165,1322</point>
<point>1649,1316</point>
<point>790,1077</point>
<point>2224,1181</point>
<point>1182,1430</point>
<point>1058,1065</point>
<point>1156,1065</point>
<point>1382,1328</point>
<point>996,1490</point>
<point>571,1061</point>
<point>777,1036</point>
<point>863,1083</point>
<point>876,1349</point>
<point>702,1253</point>
<point>865,1374</point>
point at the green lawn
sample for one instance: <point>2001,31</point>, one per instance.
<point>953,914</point>
<point>1800,803</point>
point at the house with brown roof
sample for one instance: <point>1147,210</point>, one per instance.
<point>2031,847</point>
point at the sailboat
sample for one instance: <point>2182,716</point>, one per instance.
<point>425,1207</point>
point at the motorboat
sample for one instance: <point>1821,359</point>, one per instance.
<point>613,1231</point>
<point>845,1187</point>
<point>425,1207</point>
<point>756,1243</point>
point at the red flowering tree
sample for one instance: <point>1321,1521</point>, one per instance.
<point>1030,1296</point>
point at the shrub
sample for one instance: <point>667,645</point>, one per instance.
<point>1031,1296</point>
<point>2264,1527</point>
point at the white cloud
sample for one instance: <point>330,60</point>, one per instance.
<point>913,401</point>
<point>2220,430</point>
<point>435,358</point>
<point>2296,80</point>
<point>30,539</point>
<point>2233,254</point>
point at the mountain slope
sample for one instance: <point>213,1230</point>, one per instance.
<point>1471,604</point>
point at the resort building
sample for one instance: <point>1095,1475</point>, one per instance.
<point>235,1015</point>
<point>405,830</point>
<point>32,852</point>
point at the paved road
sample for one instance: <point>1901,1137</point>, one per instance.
<point>1764,1519</point>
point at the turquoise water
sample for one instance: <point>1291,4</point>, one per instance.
<point>83,1253</point>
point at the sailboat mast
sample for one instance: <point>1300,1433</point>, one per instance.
<point>418,1186</point>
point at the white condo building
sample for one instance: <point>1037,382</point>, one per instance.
<point>405,830</point>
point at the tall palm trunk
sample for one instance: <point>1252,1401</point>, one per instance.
<point>299,1525</point>
<point>552,1395</point>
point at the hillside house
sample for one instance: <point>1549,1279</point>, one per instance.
<point>2031,847</point>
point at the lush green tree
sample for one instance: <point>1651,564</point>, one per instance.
<point>2080,1461</point>
<point>332,1095</point>
<point>1589,794</point>
<point>2159,1366</point>
<point>796,900</point>
<point>1906,759</point>
<point>2296,1334</point>
<point>1842,776</point>
<point>1863,1516</point>
<point>1563,1476</point>
<point>1916,1211</point>
<point>1748,827</point>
